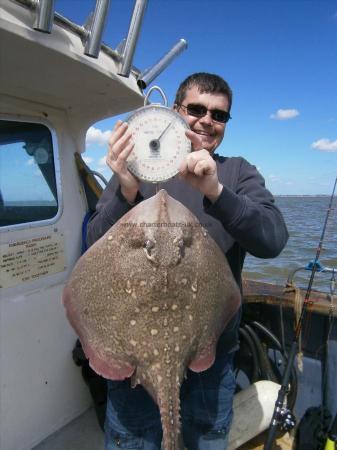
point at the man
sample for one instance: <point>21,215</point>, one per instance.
<point>229,198</point>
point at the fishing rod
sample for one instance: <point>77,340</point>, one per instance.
<point>281,415</point>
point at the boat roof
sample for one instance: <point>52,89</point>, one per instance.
<point>53,70</point>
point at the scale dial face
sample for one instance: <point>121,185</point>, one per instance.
<point>160,143</point>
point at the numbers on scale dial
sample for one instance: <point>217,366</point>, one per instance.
<point>160,143</point>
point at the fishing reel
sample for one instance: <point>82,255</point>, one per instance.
<point>286,419</point>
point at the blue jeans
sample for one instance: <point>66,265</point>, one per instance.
<point>133,419</point>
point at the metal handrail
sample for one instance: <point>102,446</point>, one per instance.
<point>319,268</point>
<point>99,175</point>
<point>79,30</point>
<point>91,34</point>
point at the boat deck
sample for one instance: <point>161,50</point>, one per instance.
<point>84,433</point>
<point>285,442</point>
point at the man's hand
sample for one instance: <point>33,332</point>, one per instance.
<point>120,147</point>
<point>199,169</point>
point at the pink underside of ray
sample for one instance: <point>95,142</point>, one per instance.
<point>205,358</point>
<point>111,369</point>
<point>203,362</point>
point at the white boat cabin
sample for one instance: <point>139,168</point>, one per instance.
<point>50,94</point>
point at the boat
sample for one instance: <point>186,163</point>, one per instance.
<point>57,78</point>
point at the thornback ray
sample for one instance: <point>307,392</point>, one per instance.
<point>149,299</point>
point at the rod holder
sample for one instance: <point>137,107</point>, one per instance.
<point>149,75</point>
<point>95,28</point>
<point>132,38</point>
<point>44,16</point>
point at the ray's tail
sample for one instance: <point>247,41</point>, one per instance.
<point>165,389</point>
<point>169,406</point>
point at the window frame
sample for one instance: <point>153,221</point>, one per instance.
<point>57,170</point>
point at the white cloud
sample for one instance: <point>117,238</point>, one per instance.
<point>273,177</point>
<point>97,136</point>
<point>325,145</point>
<point>87,159</point>
<point>30,162</point>
<point>285,114</point>
<point>102,161</point>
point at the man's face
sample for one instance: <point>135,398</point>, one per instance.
<point>210,131</point>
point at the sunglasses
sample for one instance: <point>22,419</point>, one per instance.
<point>196,110</point>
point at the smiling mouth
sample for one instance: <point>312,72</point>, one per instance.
<point>203,133</point>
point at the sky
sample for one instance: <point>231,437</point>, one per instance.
<point>280,59</point>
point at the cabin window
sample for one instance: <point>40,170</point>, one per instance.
<point>28,191</point>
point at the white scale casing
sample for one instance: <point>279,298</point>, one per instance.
<point>160,143</point>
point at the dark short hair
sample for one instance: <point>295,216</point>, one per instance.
<point>205,82</point>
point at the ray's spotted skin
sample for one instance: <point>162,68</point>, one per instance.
<point>150,298</point>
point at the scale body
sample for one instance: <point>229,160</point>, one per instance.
<point>160,143</point>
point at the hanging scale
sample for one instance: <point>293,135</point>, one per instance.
<point>160,143</point>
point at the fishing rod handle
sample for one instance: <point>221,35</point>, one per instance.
<point>271,436</point>
<point>275,421</point>
<point>289,366</point>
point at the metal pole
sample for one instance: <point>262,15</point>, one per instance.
<point>149,75</point>
<point>94,38</point>
<point>131,40</point>
<point>44,16</point>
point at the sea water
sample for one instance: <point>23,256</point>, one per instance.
<point>305,218</point>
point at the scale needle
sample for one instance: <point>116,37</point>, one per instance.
<point>168,126</point>
<point>155,143</point>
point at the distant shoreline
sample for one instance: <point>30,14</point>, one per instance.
<point>302,195</point>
